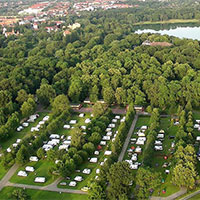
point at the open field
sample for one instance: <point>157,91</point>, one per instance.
<point>42,195</point>
<point>171,21</point>
<point>41,170</point>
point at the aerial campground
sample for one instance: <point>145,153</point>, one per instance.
<point>100,100</point>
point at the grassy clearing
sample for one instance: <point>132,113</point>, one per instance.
<point>197,197</point>
<point>18,135</point>
<point>2,171</point>
<point>41,169</point>
<point>171,21</point>
<point>159,160</point>
<point>5,194</point>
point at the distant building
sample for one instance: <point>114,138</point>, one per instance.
<point>139,108</point>
<point>74,26</point>
<point>10,33</point>
<point>35,26</point>
<point>163,44</point>
<point>66,32</point>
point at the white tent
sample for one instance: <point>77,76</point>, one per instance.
<point>54,136</point>
<point>78,178</point>
<point>157,142</point>
<point>64,146</point>
<point>114,120</point>
<point>81,115</point>
<point>108,129</point>
<point>106,137</point>
<point>33,158</point>
<point>25,124</point>
<point>29,169</point>
<point>87,121</point>
<point>144,127</point>
<point>107,153</point>
<point>14,145</point>
<point>66,126</point>
<point>111,125</point>
<point>40,180</point>
<point>22,173</point>
<point>109,133</point>
<point>46,118</point>
<point>97,171</point>
<point>161,136</point>
<point>93,160</point>
<point>86,171</point>
<point>103,143</point>
<point>73,122</point>
<point>72,184</point>
<point>158,148</point>
<point>196,126</point>
<point>117,117</point>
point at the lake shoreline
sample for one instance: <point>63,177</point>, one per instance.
<point>171,21</point>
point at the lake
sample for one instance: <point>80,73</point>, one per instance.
<point>191,31</point>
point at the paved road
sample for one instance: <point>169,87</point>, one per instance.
<point>120,111</point>
<point>121,156</point>
<point>46,188</point>
<point>171,197</point>
<point>9,174</point>
<point>191,195</point>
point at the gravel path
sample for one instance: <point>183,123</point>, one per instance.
<point>121,156</point>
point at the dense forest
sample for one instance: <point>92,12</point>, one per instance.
<point>102,59</point>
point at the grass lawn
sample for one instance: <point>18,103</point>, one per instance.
<point>159,160</point>
<point>171,21</point>
<point>197,197</point>
<point>41,169</point>
<point>18,135</point>
<point>2,171</point>
<point>42,195</point>
<point>168,187</point>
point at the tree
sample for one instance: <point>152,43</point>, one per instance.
<point>77,159</point>
<point>28,107</point>
<point>120,96</point>
<point>119,177</point>
<point>45,94</point>
<point>95,138</point>
<point>41,153</point>
<point>89,148</point>
<point>77,138</point>
<point>22,96</point>
<point>96,192</point>
<point>60,104</point>
<point>146,181</point>
<point>19,194</point>
<point>75,90</point>
<point>98,109</point>
<point>22,155</point>
<point>184,175</point>
<point>108,95</point>
<point>51,155</point>
<point>94,94</point>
